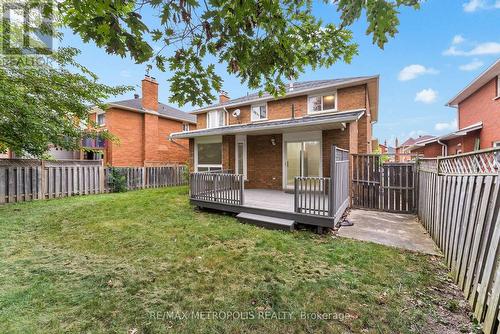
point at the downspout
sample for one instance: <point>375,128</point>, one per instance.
<point>444,150</point>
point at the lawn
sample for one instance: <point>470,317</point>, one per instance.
<point>147,262</point>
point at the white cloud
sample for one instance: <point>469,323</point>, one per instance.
<point>412,71</point>
<point>474,5</point>
<point>457,39</point>
<point>473,65</point>
<point>453,125</point>
<point>426,96</point>
<point>487,48</point>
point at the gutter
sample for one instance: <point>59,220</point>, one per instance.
<point>444,150</point>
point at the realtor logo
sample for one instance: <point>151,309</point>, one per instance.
<point>27,27</point>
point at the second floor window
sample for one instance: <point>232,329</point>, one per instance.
<point>259,112</point>
<point>185,127</point>
<point>101,119</point>
<point>215,119</point>
<point>322,103</point>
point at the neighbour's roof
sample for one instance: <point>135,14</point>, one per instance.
<point>333,119</point>
<point>410,141</point>
<point>480,81</point>
<point>459,133</point>
<point>300,88</point>
<point>163,109</point>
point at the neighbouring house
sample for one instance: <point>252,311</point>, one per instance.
<point>478,115</point>
<point>383,148</point>
<point>143,126</point>
<point>403,151</point>
<point>272,140</point>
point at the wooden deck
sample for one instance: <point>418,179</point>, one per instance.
<point>272,203</point>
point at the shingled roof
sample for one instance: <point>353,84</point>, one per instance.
<point>163,109</point>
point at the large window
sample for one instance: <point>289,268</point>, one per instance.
<point>259,112</point>
<point>208,155</point>
<point>322,103</point>
<point>215,119</point>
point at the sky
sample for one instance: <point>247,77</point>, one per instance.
<point>439,50</point>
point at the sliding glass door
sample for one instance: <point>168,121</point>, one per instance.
<point>302,158</point>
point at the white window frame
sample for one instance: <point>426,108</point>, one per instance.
<point>496,143</point>
<point>498,86</point>
<point>311,111</point>
<point>252,118</point>
<point>185,127</point>
<point>212,112</point>
<point>241,139</point>
<point>207,140</point>
<point>97,118</point>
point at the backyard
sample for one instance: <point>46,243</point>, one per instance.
<point>146,262</point>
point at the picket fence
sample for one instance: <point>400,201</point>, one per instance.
<point>29,179</point>
<point>459,206</point>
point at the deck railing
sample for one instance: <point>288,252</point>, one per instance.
<point>217,187</point>
<point>325,196</point>
<point>312,195</point>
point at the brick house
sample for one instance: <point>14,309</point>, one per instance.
<point>478,115</point>
<point>270,141</point>
<point>143,126</point>
<point>404,151</point>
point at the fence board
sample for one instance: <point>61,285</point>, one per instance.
<point>462,216</point>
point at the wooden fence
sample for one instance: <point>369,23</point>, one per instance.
<point>387,186</point>
<point>28,179</point>
<point>217,187</point>
<point>458,204</point>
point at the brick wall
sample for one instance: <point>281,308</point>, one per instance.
<point>175,151</point>
<point>349,98</point>
<point>364,134</point>
<point>128,127</point>
<point>335,137</point>
<point>482,107</point>
<point>228,153</point>
<point>265,162</point>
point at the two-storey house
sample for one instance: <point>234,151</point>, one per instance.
<point>478,115</point>
<point>142,126</point>
<point>272,140</point>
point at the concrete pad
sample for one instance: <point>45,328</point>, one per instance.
<point>390,229</point>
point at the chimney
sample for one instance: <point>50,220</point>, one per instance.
<point>136,96</point>
<point>397,143</point>
<point>150,93</point>
<point>223,96</point>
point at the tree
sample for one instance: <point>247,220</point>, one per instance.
<point>45,99</point>
<point>263,42</point>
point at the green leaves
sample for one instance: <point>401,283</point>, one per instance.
<point>48,103</point>
<point>265,43</point>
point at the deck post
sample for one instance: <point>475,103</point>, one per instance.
<point>242,189</point>
<point>296,194</point>
<point>333,172</point>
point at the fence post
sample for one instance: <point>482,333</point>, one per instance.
<point>101,177</point>
<point>144,175</point>
<point>333,172</point>
<point>42,181</point>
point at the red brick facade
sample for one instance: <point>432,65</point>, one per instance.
<point>482,106</point>
<point>143,135</point>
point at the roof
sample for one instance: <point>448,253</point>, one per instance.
<point>410,141</point>
<point>333,119</point>
<point>299,88</point>
<point>452,135</point>
<point>480,81</point>
<point>163,109</point>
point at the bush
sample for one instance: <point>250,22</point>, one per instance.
<point>117,181</point>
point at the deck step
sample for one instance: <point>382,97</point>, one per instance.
<point>266,221</point>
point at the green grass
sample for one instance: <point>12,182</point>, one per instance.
<point>120,262</point>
